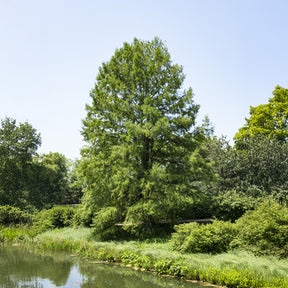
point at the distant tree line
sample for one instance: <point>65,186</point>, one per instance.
<point>29,179</point>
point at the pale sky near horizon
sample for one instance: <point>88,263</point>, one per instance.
<point>234,53</point>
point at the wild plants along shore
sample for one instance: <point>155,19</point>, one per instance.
<point>231,269</point>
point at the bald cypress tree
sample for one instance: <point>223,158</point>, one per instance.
<point>142,157</point>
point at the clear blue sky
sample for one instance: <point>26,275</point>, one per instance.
<point>234,53</point>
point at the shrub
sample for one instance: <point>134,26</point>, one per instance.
<point>231,205</point>
<point>264,230</point>
<point>199,238</point>
<point>56,217</point>
<point>163,266</point>
<point>13,215</point>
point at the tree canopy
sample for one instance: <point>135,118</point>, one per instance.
<point>269,119</point>
<point>27,179</point>
<point>18,145</point>
<point>142,148</point>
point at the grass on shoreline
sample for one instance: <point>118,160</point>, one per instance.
<point>233,269</point>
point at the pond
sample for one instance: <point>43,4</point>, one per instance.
<point>23,268</point>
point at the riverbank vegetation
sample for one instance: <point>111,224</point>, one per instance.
<point>194,252</point>
<point>148,170</point>
<point>231,269</point>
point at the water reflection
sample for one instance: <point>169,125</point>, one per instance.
<point>21,268</point>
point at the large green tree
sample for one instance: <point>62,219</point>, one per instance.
<point>269,120</point>
<point>18,145</point>
<point>142,155</point>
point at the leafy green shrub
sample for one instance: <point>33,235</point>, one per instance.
<point>231,205</point>
<point>163,266</point>
<point>61,216</point>
<point>144,262</point>
<point>264,230</point>
<point>56,217</point>
<point>12,233</point>
<point>77,218</point>
<point>13,215</point>
<point>199,238</point>
<point>129,258</point>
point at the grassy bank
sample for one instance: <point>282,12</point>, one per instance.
<point>233,269</point>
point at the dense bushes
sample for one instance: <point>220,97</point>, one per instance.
<point>12,215</point>
<point>231,205</point>
<point>264,230</point>
<point>56,217</point>
<point>199,238</point>
<point>18,225</point>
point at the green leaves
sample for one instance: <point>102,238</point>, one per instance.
<point>269,120</point>
<point>265,230</point>
<point>140,130</point>
<point>199,238</point>
<point>18,144</point>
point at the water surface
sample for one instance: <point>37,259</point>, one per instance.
<point>21,268</point>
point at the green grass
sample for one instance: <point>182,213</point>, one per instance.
<point>233,269</point>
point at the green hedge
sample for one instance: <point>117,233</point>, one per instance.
<point>10,215</point>
<point>56,217</point>
<point>203,238</point>
<point>264,231</point>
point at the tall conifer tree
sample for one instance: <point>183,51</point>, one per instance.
<point>142,155</point>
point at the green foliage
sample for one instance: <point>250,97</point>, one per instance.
<point>142,219</point>
<point>264,230</point>
<point>18,144</point>
<point>12,215</point>
<point>104,224</point>
<point>48,180</point>
<point>142,139</point>
<point>270,120</point>
<point>12,234</point>
<point>74,191</point>
<point>56,217</point>
<point>231,205</point>
<point>260,169</point>
<point>163,266</point>
<point>199,238</point>
<point>25,178</point>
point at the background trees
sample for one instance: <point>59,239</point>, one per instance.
<point>47,183</point>
<point>269,120</point>
<point>143,151</point>
<point>18,145</point>
<point>27,178</point>
<point>256,167</point>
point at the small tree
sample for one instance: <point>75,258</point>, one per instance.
<point>141,134</point>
